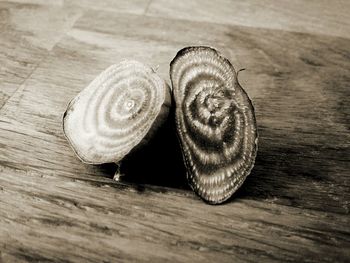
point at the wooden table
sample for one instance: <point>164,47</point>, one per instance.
<point>293,207</point>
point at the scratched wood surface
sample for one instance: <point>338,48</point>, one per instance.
<point>293,207</point>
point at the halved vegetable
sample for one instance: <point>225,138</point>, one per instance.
<point>215,123</point>
<point>119,111</point>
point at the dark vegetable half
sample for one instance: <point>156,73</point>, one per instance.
<point>215,123</point>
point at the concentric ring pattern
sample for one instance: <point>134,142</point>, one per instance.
<point>115,112</point>
<point>215,123</point>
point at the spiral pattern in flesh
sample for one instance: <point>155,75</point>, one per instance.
<point>115,112</point>
<point>215,123</point>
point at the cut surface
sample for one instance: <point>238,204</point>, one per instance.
<point>215,123</point>
<point>115,112</point>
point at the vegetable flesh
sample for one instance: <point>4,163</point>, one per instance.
<point>119,110</point>
<point>215,123</point>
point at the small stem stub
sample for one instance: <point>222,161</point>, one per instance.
<point>118,110</point>
<point>215,123</point>
<point>118,174</point>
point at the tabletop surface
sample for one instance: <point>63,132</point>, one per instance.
<point>295,204</point>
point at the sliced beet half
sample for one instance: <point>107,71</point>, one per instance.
<point>215,123</point>
<point>117,112</point>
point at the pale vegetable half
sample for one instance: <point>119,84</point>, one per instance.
<point>119,111</point>
<point>215,123</point>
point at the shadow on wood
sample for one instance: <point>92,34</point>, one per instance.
<point>158,163</point>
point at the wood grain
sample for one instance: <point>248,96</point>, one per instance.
<point>40,213</point>
<point>120,6</point>
<point>293,207</point>
<point>24,42</point>
<point>315,16</point>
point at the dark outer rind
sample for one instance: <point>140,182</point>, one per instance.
<point>251,106</point>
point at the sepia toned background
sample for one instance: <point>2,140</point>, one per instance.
<point>293,207</point>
